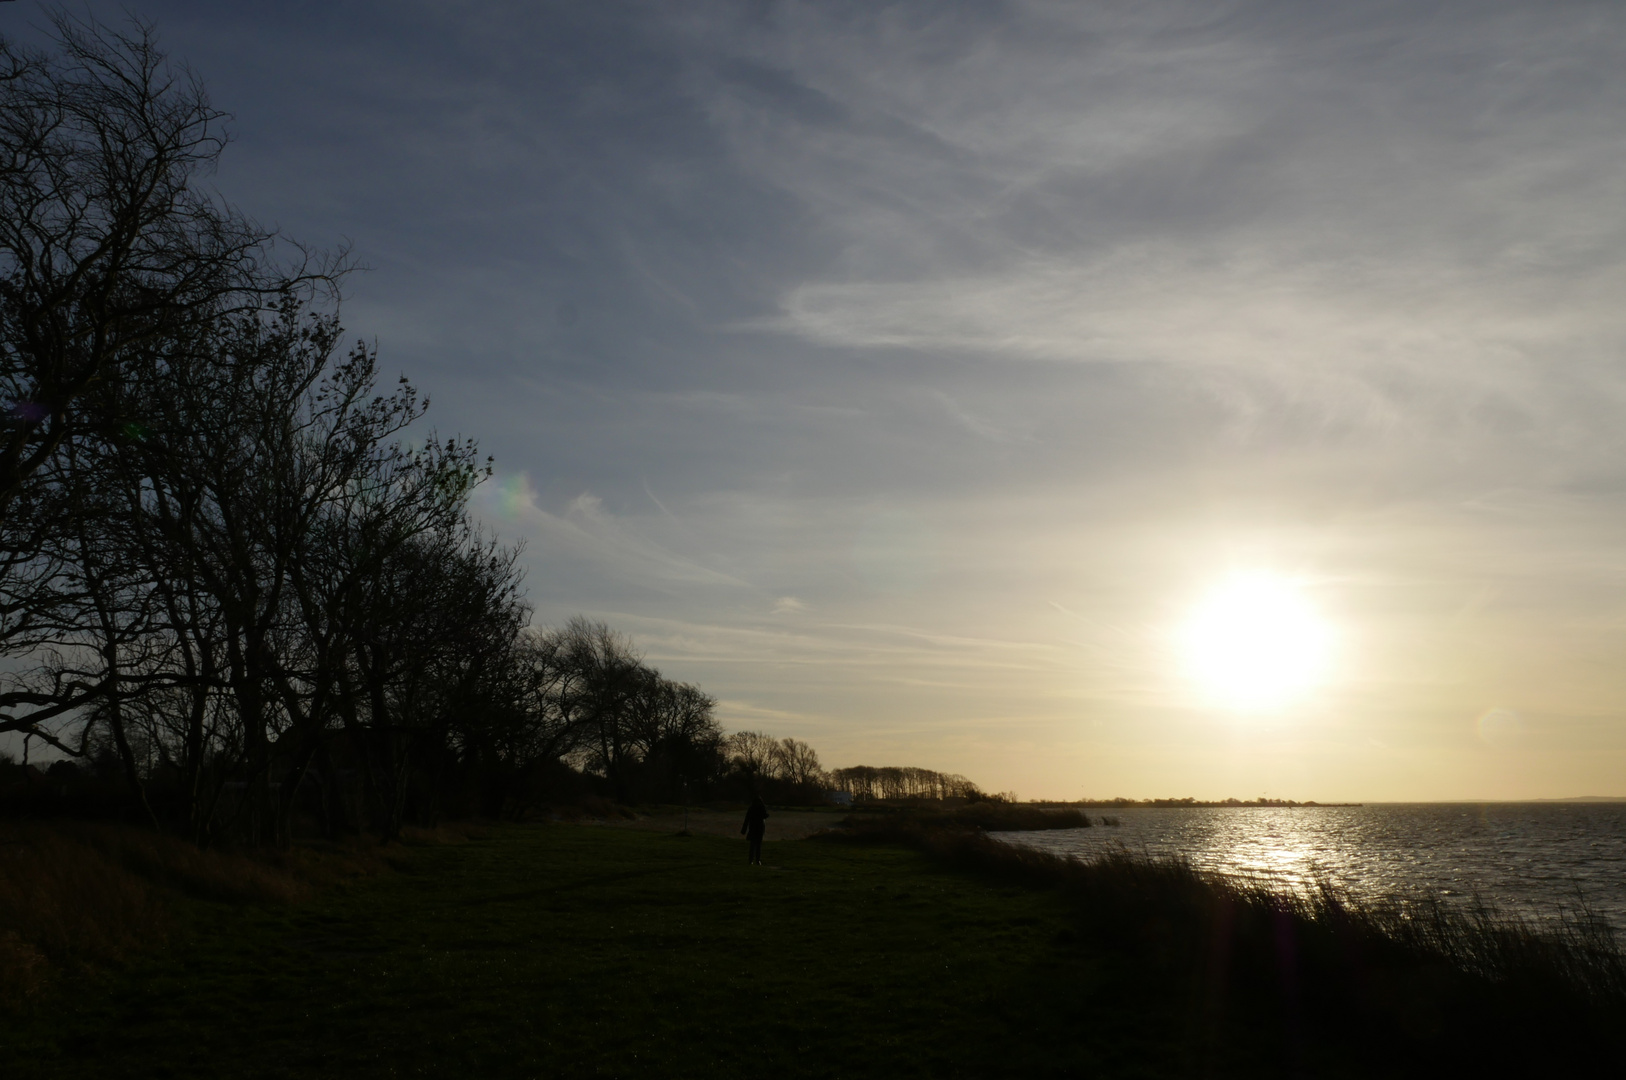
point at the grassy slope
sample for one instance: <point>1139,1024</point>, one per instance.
<point>569,950</point>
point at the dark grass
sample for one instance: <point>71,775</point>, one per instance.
<point>564,950</point>
<point>568,950</point>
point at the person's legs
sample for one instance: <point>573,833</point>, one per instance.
<point>756,849</point>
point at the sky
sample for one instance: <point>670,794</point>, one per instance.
<point>907,374</point>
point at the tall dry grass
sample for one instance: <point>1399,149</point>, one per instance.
<point>79,893</point>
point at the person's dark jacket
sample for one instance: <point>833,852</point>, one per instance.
<point>755,819</point>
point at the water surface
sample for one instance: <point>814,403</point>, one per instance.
<point>1525,858</point>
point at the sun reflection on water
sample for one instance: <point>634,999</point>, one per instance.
<point>1524,858</point>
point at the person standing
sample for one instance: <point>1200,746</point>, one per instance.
<point>756,817</point>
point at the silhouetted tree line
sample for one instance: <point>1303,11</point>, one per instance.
<point>232,591</point>
<point>225,574</point>
<point>779,770</point>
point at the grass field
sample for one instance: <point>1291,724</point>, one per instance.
<point>573,950</point>
<point>562,950</point>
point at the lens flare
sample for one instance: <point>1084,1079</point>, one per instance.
<point>1255,643</point>
<point>1500,728</point>
<point>514,495</point>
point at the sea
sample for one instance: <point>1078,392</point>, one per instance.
<point>1532,860</point>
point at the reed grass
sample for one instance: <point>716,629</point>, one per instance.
<point>1466,984</point>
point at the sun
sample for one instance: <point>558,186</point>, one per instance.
<point>1255,643</point>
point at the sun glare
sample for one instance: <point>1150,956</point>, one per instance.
<point>1255,643</point>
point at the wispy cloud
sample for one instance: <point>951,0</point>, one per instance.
<point>586,530</point>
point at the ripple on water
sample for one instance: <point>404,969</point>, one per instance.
<point>1530,859</point>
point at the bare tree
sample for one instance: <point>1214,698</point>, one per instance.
<point>607,674</point>
<point>107,243</point>
<point>520,726</point>
<point>798,763</point>
<point>431,629</point>
<point>595,701</point>
<point>673,734</point>
<point>753,753</point>
<point>110,251</point>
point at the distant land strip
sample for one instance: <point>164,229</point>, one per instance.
<point>1189,801</point>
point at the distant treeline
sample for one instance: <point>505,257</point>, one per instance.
<point>866,783</point>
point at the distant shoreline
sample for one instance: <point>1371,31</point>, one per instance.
<point>1268,804</point>
<point>1130,804</point>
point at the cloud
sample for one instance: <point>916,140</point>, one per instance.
<point>1370,343</point>
<point>585,530</point>
<point>824,347</point>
